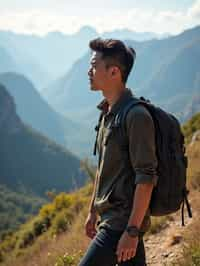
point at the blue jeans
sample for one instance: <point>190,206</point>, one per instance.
<point>102,248</point>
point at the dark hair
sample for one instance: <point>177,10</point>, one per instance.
<point>115,52</point>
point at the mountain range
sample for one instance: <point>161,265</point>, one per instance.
<point>166,71</point>
<point>45,58</point>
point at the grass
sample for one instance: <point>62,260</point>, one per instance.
<point>191,251</point>
<point>159,223</point>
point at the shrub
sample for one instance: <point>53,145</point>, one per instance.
<point>41,225</point>
<point>62,221</point>
<point>159,223</point>
<point>66,260</point>
<point>26,239</point>
<point>69,260</point>
<point>195,255</point>
<point>63,200</point>
<point>1,256</point>
<point>48,210</point>
<point>9,243</point>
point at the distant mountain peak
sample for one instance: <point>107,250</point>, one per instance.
<point>56,34</point>
<point>87,30</point>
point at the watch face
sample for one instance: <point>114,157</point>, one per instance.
<point>132,231</point>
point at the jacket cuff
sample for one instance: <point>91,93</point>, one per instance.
<point>144,178</point>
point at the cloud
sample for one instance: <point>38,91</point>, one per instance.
<point>41,21</point>
<point>194,11</point>
<point>38,22</point>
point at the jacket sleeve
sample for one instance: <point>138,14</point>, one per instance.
<point>142,147</point>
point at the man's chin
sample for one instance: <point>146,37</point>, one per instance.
<point>92,88</point>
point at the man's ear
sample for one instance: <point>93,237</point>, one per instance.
<point>114,70</point>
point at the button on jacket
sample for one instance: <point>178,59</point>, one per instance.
<point>119,174</point>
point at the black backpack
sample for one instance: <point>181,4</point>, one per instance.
<point>171,191</point>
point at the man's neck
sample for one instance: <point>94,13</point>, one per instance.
<point>112,96</point>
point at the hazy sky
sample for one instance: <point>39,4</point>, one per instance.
<point>42,16</point>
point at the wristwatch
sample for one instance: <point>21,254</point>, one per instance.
<point>132,230</point>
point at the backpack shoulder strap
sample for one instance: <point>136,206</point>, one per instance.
<point>120,123</point>
<point>121,116</point>
<point>97,130</point>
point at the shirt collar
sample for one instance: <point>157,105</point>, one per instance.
<point>103,105</point>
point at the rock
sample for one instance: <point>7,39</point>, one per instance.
<point>176,240</point>
<point>165,254</point>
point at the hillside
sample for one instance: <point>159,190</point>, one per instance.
<point>166,71</point>
<point>29,159</point>
<point>16,207</point>
<point>36,112</point>
<point>56,236</point>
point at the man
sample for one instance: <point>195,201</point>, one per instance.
<point>123,184</point>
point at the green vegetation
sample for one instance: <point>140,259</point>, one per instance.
<point>192,254</point>
<point>52,219</point>
<point>15,209</point>
<point>69,259</point>
<point>190,127</point>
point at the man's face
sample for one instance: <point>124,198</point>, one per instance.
<point>98,73</point>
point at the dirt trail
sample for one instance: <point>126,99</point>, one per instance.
<point>166,247</point>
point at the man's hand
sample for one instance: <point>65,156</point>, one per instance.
<point>90,224</point>
<point>126,247</point>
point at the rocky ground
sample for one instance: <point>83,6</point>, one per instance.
<point>166,246</point>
